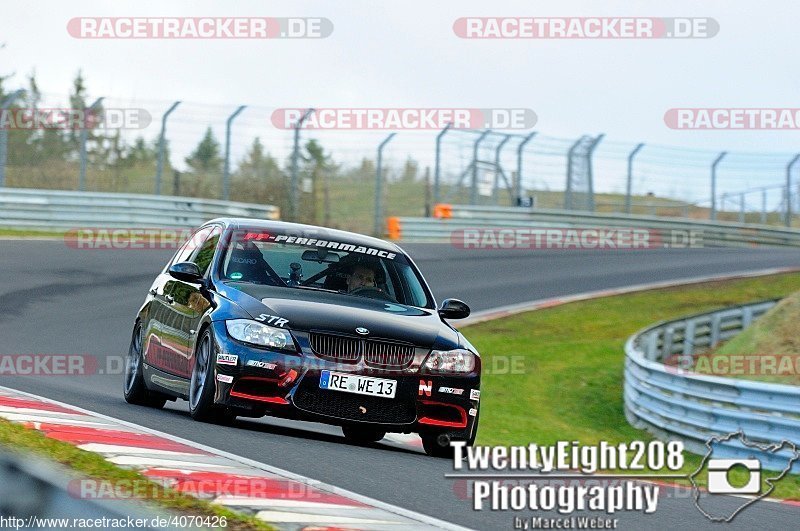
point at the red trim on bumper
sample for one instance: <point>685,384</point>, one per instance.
<point>428,421</point>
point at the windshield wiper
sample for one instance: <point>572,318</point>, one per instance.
<point>299,286</point>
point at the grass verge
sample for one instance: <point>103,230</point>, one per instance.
<point>18,439</point>
<point>769,348</point>
<point>569,386</point>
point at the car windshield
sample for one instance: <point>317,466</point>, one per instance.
<point>257,257</point>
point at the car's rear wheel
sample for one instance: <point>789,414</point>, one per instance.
<point>362,435</point>
<point>136,392</point>
<point>201,385</point>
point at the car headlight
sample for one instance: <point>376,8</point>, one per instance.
<point>458,360</point>
<point>259,334</point>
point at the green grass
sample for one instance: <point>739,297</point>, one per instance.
<point>774,338</point>
<point>18,439</point>
<point>30,233</point>
<point>571,356</point>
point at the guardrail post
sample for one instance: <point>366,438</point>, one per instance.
<point>226,172</point>
<point>666,346</point>
<point>652,346</point>
<point>716,323</point>
<point>714,184</point>
<point>764,206</point>
<point>688,338</point>
<point>376,228</point>
<point>747,316</point>
<point>788,220</point>
<point>473,193</point>
<point>4,134</point>
<point>629,180</point>
<point>295,185</point>
<point>518,180</point>
<point>437,176</point>
<point>84,136</point>
<point>161,142</point>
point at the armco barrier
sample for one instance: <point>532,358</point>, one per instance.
<point>676,404</point>
<point>458,217</point>
<point>54,209</point>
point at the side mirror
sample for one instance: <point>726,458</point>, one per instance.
<point>453,309</point>
<point>187,272</point>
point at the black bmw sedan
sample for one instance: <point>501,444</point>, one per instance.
<point>254,318</point>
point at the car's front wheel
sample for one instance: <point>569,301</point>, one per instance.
<point>201,385</point>
<point>438,444</point>
<point>362,435</point>
<point>136,392</point>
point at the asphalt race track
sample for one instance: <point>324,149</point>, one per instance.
<point>61,300</point>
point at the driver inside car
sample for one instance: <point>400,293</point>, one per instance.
<point>361,276</point>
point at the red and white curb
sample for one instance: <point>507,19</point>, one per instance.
<point>286,500</point>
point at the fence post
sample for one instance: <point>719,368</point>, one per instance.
<point>226,171</point>
<point>161,137</point>
<point>498,168</point>
<point>295,185</point>
<point>714,184</point>
<point>84,136</point>
<point>629,180</point>
<point>376,228</point>
<point>741,207</point>
<point>518,180</point>
<point>437,168</point>
<point>589,170</point>
<point>473,193</point>
<point>568,187</point>
<point>4,135</point>
<point>788,220</point>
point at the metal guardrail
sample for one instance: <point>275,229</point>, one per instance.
<point>675,404</point>
<point>710,233</point>
<point>54,209</point>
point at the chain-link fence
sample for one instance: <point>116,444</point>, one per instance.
<point>328,175</point>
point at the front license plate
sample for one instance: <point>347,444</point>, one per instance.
<point>360,385</point>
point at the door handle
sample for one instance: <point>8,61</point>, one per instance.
<point>170,299</point>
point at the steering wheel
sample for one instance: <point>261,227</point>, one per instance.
<point>372,293</point>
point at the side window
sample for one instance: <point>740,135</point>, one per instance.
<point>191,245</point>
<point>205,252</point>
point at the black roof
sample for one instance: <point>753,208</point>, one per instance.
<point>284,226</point>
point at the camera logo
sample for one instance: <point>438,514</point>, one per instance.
<point>719,481</point>
<point>735,478</point>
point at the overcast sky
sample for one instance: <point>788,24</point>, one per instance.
<point>405,54</point>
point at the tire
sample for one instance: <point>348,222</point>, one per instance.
<point>135,391</point>
<point>201,385</point>
<point>430,442</point>
<point>360,435</point>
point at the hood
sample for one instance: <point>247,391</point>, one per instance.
<point>333,312</point>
